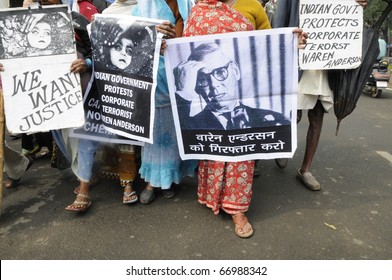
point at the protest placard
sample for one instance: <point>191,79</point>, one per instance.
<point>334,28</point>
<point>126,56</point>
<point>40,93</point>
<point>234,95</point>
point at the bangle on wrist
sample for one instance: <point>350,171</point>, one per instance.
<point>89,63</point>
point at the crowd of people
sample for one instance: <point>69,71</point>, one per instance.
<point>225,186</point>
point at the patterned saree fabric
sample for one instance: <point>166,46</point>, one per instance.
<point>214,17</point>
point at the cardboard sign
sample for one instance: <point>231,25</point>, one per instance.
<point>334,28</point>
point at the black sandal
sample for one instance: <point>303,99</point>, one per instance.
<point>169,193</point>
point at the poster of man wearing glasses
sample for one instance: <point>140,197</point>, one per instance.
<point>234,95</point>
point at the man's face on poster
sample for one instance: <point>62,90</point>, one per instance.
<point>217,82</point>
<point>121,53</point>
<point>40,36</point>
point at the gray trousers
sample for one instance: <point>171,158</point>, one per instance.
<point>15,163</point>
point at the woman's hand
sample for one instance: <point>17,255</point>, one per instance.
<point>167,29</point>
<point>79,66</point>
<point>302,36</point>
<point>1,68</point>
<point>163,46</point>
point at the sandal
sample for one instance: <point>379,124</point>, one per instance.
<point>127,197</point>
<point>242,226</point>
<point>147,196</point>
<point>169,193</point>
<point>80,206</point>
<point>33,152</point>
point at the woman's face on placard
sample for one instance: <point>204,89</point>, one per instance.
<point>40,36</point>
<point>121,53</point>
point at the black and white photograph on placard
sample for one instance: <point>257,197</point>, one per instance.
<point>234,95</point>
<point>126,56</point>
<point>29,33</point>
<point>124,46</point>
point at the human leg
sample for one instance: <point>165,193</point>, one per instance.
<point>127,173</point>
<point>15,165</point>
<point>29,145</point>
<point>161,165</point>
<point>110,159</point>
<point>82,201</point>
<point>211,182</point>
<point>86,153</point>
<point>282,162</point>
<point>315,116</point>
<point>227,186</point>
<point>237,195</point>
<point>45,139</point>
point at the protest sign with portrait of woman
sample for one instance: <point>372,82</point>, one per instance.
<point>37,49</point>
<point>126,54</point>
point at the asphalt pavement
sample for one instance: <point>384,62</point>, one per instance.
<point>349,219</point>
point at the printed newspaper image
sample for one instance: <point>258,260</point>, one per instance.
<point>37,49</point>
<point>234,95</point>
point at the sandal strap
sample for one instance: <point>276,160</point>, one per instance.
<point>127,187</point>
<point>130,194</point>
<point>83,195</point>
<point>77,203</point>
<point>240,219</point>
